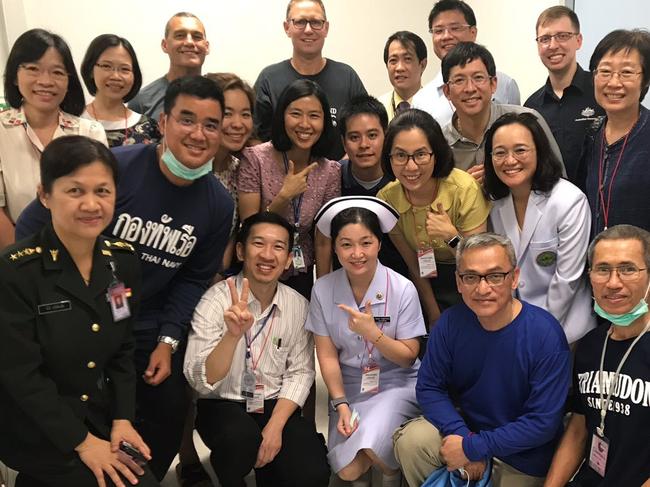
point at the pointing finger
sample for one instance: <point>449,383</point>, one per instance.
<point>351,311</point>
<point>309,168</point>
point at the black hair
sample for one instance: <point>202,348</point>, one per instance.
<point>464,53</point>
<point>362,105</point>
<point>301,88</point>
<point>407,39</point>
<point>64,155</point>
<point>193,85</point>
<point>549,168</point>
<point>29,48</point>
<point>626,40</point>
<point>356,214</point>
<point>264,217</point>
<point>446,5</point>
<point>418,119</point>
<point>96,48</point>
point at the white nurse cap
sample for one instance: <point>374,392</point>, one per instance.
<point>386,214</point>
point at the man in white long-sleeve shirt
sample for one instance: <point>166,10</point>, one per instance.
<point>251,361</point>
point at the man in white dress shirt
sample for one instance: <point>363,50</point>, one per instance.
<point>451,22</point>
<point>251,361</point>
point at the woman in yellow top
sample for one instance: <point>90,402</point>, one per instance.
<point>438,206</point>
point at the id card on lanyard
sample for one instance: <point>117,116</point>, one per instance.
<point>296,251</point>
<point>371,370</point>
<point>117,295</point>
<point>251,385</point>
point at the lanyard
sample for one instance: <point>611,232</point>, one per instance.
<point>372,347</point>
<point>601,177</point>
<point>604,404</point>
<point>250,341</point>
<point>296,208</point>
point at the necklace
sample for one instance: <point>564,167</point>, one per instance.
<point>126,119</point>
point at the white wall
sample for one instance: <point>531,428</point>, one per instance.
<point>247,35</point>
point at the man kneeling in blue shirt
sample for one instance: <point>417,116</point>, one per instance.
<point>493,381</point>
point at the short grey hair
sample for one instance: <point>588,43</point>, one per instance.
<point>486,239</point>
<point>622,232</point>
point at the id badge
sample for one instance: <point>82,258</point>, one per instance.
<point>598,454</point>
<point>370,379</point>
<point>255,404</point>
<point>298,258</point>
<point>427,263</point>
<point>117,297</point>
<point>248,384</point>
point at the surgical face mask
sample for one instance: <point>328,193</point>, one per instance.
<point>178,169</point>
<point>625,319</point>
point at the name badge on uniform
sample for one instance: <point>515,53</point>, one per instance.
<point>248,384</point>
<point>382,320</point>
<point>255,404</point>
<point>598,454</point>
<point>427,263</point>
<point>117,297</point>
<point>47,308</point>
<point>298,258</point>
<point>370,378</point>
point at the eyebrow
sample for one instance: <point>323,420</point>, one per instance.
<point>424,147</point>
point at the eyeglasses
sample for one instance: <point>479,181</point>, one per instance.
<point>401,158</point>
<point>315,24</point>
<point>560,37</point>
<point>190,125</point>
<point>519,153</point>
<point>492,278</point>
<point>453,29</point>
<point>109,68</point>
<point>625,272</point>
<point>627,75</point>
<point>478,79</point>
<point>35,71</point>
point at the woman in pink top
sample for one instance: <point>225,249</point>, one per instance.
<point>289,175</point>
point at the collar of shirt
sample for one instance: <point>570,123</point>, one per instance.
<point>376,292</point>
<point>15,116</point>
<point>582,81</point>
<point>453,135</point>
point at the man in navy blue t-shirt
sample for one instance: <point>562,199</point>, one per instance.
<point>178,218</point>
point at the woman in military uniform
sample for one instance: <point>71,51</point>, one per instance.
<point>67,297</point>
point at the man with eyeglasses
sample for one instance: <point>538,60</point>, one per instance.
<point>567,99</point>
<point>186,45</point>
<point>451,22</point>
<point>610,417</point>
<point>470,80</point>
<point>307,26</point>
<point>177,216</point>
<point>493,381</point>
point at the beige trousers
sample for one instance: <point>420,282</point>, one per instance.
<point>417,445</point>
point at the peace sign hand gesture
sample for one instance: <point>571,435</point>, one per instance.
<point>295,184</point>
<point>361,323</point>
<point>238,318</point>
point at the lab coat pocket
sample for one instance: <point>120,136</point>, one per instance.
<point>544,254</point>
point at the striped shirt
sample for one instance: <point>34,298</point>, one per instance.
<point>283,352</point>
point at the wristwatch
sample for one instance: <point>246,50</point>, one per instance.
<point>172,342</point>
<point>454,241</point>
<point>338,401</point>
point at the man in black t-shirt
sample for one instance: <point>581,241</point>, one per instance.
<point>611,380</point>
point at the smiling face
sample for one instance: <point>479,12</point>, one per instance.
<point>618,97</point>
<point>192,146</point>
<point>118,81</point>
<point>412,176</point>
<point>616,296</point>
<point>265,253</point>
<point>452,22</point>
<point>82,203</point>
<point>185,43</point>
<point>558,57</point>
<point>404,69</point>
<point>304,122</point>
<point>357,249</point>
<point>364,139</point>
<point>470,98</point>
<point>237,120</point>
<point>515,171</point>
<point>43,84</point>
<point>306,42</point>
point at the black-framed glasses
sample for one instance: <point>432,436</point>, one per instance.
<point>478,79</point>
<point>560,37</point>
<point>625,272</point>
<point>315,24</point>
<point>453,29</point>
<point>491,278</point>
<point>401,158</point>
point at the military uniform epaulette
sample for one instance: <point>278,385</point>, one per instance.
<point>20,255</point>
<point>118,245</point>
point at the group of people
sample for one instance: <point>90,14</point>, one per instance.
<point>161,247</point>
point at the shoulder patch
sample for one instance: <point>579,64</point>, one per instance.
<point>119,245</point>
<point>23,254</point>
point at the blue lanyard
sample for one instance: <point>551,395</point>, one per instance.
<point>296,208</point>
<point>250,342</point>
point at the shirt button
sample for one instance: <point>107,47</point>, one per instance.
<point>84,397</point>
<point>95,327</point>
<point>359,356</point>
<point>423,243</point>
<point>91,365</point>
<point>419,227</point>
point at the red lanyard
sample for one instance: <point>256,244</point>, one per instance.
<point>249,342</point>
<point>601,175</point>
<point>370,350</point>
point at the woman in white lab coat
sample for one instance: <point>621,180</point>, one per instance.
<point>546,217</point>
